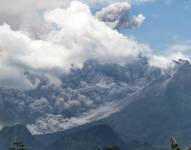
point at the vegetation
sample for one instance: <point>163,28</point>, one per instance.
<point>17,146</point>
<point>21,146</point>
<point>175,146</point>
<point>111,148</point>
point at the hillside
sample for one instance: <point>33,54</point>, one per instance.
<point>160,111</point>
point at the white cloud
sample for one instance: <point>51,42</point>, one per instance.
<point>159,61</point>
<point>181,47</point>
<point>166,61</point>
<point>27,14</point>
<point>117,16</point>
<point>76,36</point>
<point>174,52</point>
<point>137,21</point>
<point>107,2</point>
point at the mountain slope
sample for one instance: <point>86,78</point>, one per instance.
<point>58,102</point>
<point>160,111</point>
<point>89,136</point>
<point>92,137</point>
<point>89,139</point>
<point>18,133</point>
<point>160,101</point>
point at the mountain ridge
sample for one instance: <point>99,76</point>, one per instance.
<point>158,109</point>
<point>90,136</point>
<point>161,111</point>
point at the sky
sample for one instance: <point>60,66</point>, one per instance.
<point>167,23</point>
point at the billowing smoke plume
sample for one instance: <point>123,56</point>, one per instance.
<point>41,46</point>
<point>117,16</point>
<point>41,49</point>
<point>75,36</point>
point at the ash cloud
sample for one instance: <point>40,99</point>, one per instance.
<point>70,41</point>
<point>117,16</point>
<point>35,56</point>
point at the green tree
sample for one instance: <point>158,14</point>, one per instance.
<point>174,145</point>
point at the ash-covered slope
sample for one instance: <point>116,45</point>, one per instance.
<point>160,111</point>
